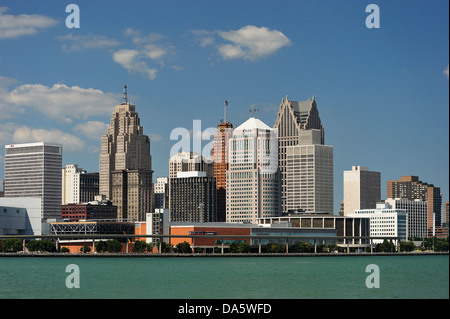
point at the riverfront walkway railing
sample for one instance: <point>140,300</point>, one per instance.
<point>342,241</point>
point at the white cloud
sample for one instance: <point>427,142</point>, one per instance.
<point>93,130</point>
<point>155,137</point>
<point>14,26</point>
<point>446,71</point>
<point>59,102</point>
<point>252,43</point>
<point>148,50</point>
<point>203,37</point>
<point>249,43</point>
<point>12,133</point>
<point>132,61</point>
<point>85,42</point>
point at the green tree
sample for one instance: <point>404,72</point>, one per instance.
<point>184,248</point>
<point>166,248</point>
<point>302,247</point>
<point>441,244</point>
<point>65,250</point>
<point>85,249</point>
<point>276,248</point>
<point>386,246</point>
<point>34,245</point>
<point>140,246</point>
<point>48,245</point>
<point>243,247</point>
<point>42,245</point>
<point>113,246</point>
<point>407,246</point>
<point>11,245</point>
<point>101,247</point>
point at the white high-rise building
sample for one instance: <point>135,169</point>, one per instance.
<point>34,170</point>
<point>161,190</point>
<point>362,189</point>
<point>78,186</point>
<point>385,221</point>
<point>309,174</point>
<point>253,178</point>
<point>416,211</point>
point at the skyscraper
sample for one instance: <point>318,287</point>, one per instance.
<point>34,170</point>
<point>194,198</point>
<point>253,179</point>
<point>189,162</point>
<point>309,174</point>
<point>362,189</point>
<point>411,188</point>
<point>220,160</point>
<point>293,117</point>
<point>126,164</point>
<point>78,186</point>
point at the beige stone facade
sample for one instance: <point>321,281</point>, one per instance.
<point>126,165</point>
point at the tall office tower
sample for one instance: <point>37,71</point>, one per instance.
<point>194,198</point>
<point>126,164</point>
<point>253,177</point>
<point>362,189</point>
<point>190,162</point>
<point>78,186</point>
<point>34,170</point>
<point>161,190</point>
<point>411,188</point>
<point>309,174</point>
<point>293,117</point>
<point>220,160</point>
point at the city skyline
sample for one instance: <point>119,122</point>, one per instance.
<point>382,93</point>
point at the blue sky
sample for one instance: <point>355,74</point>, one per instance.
<point>382,94</point>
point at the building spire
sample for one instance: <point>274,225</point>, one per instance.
<point>125,95</point>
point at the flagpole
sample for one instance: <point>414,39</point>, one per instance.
<point>225,110</point>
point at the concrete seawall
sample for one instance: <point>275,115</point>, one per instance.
<point>173,255</point>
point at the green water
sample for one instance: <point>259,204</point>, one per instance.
<point>226,278</point>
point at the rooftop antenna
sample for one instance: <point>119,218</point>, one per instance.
<point>225,110</point>
<point>254,111</point>
<point>125,95</point>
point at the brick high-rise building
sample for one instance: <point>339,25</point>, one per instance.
<point>446,212</point>
<point>293,117</point>
<point>126,164</point>
<point>410,187</point>
<point>220,160</point>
